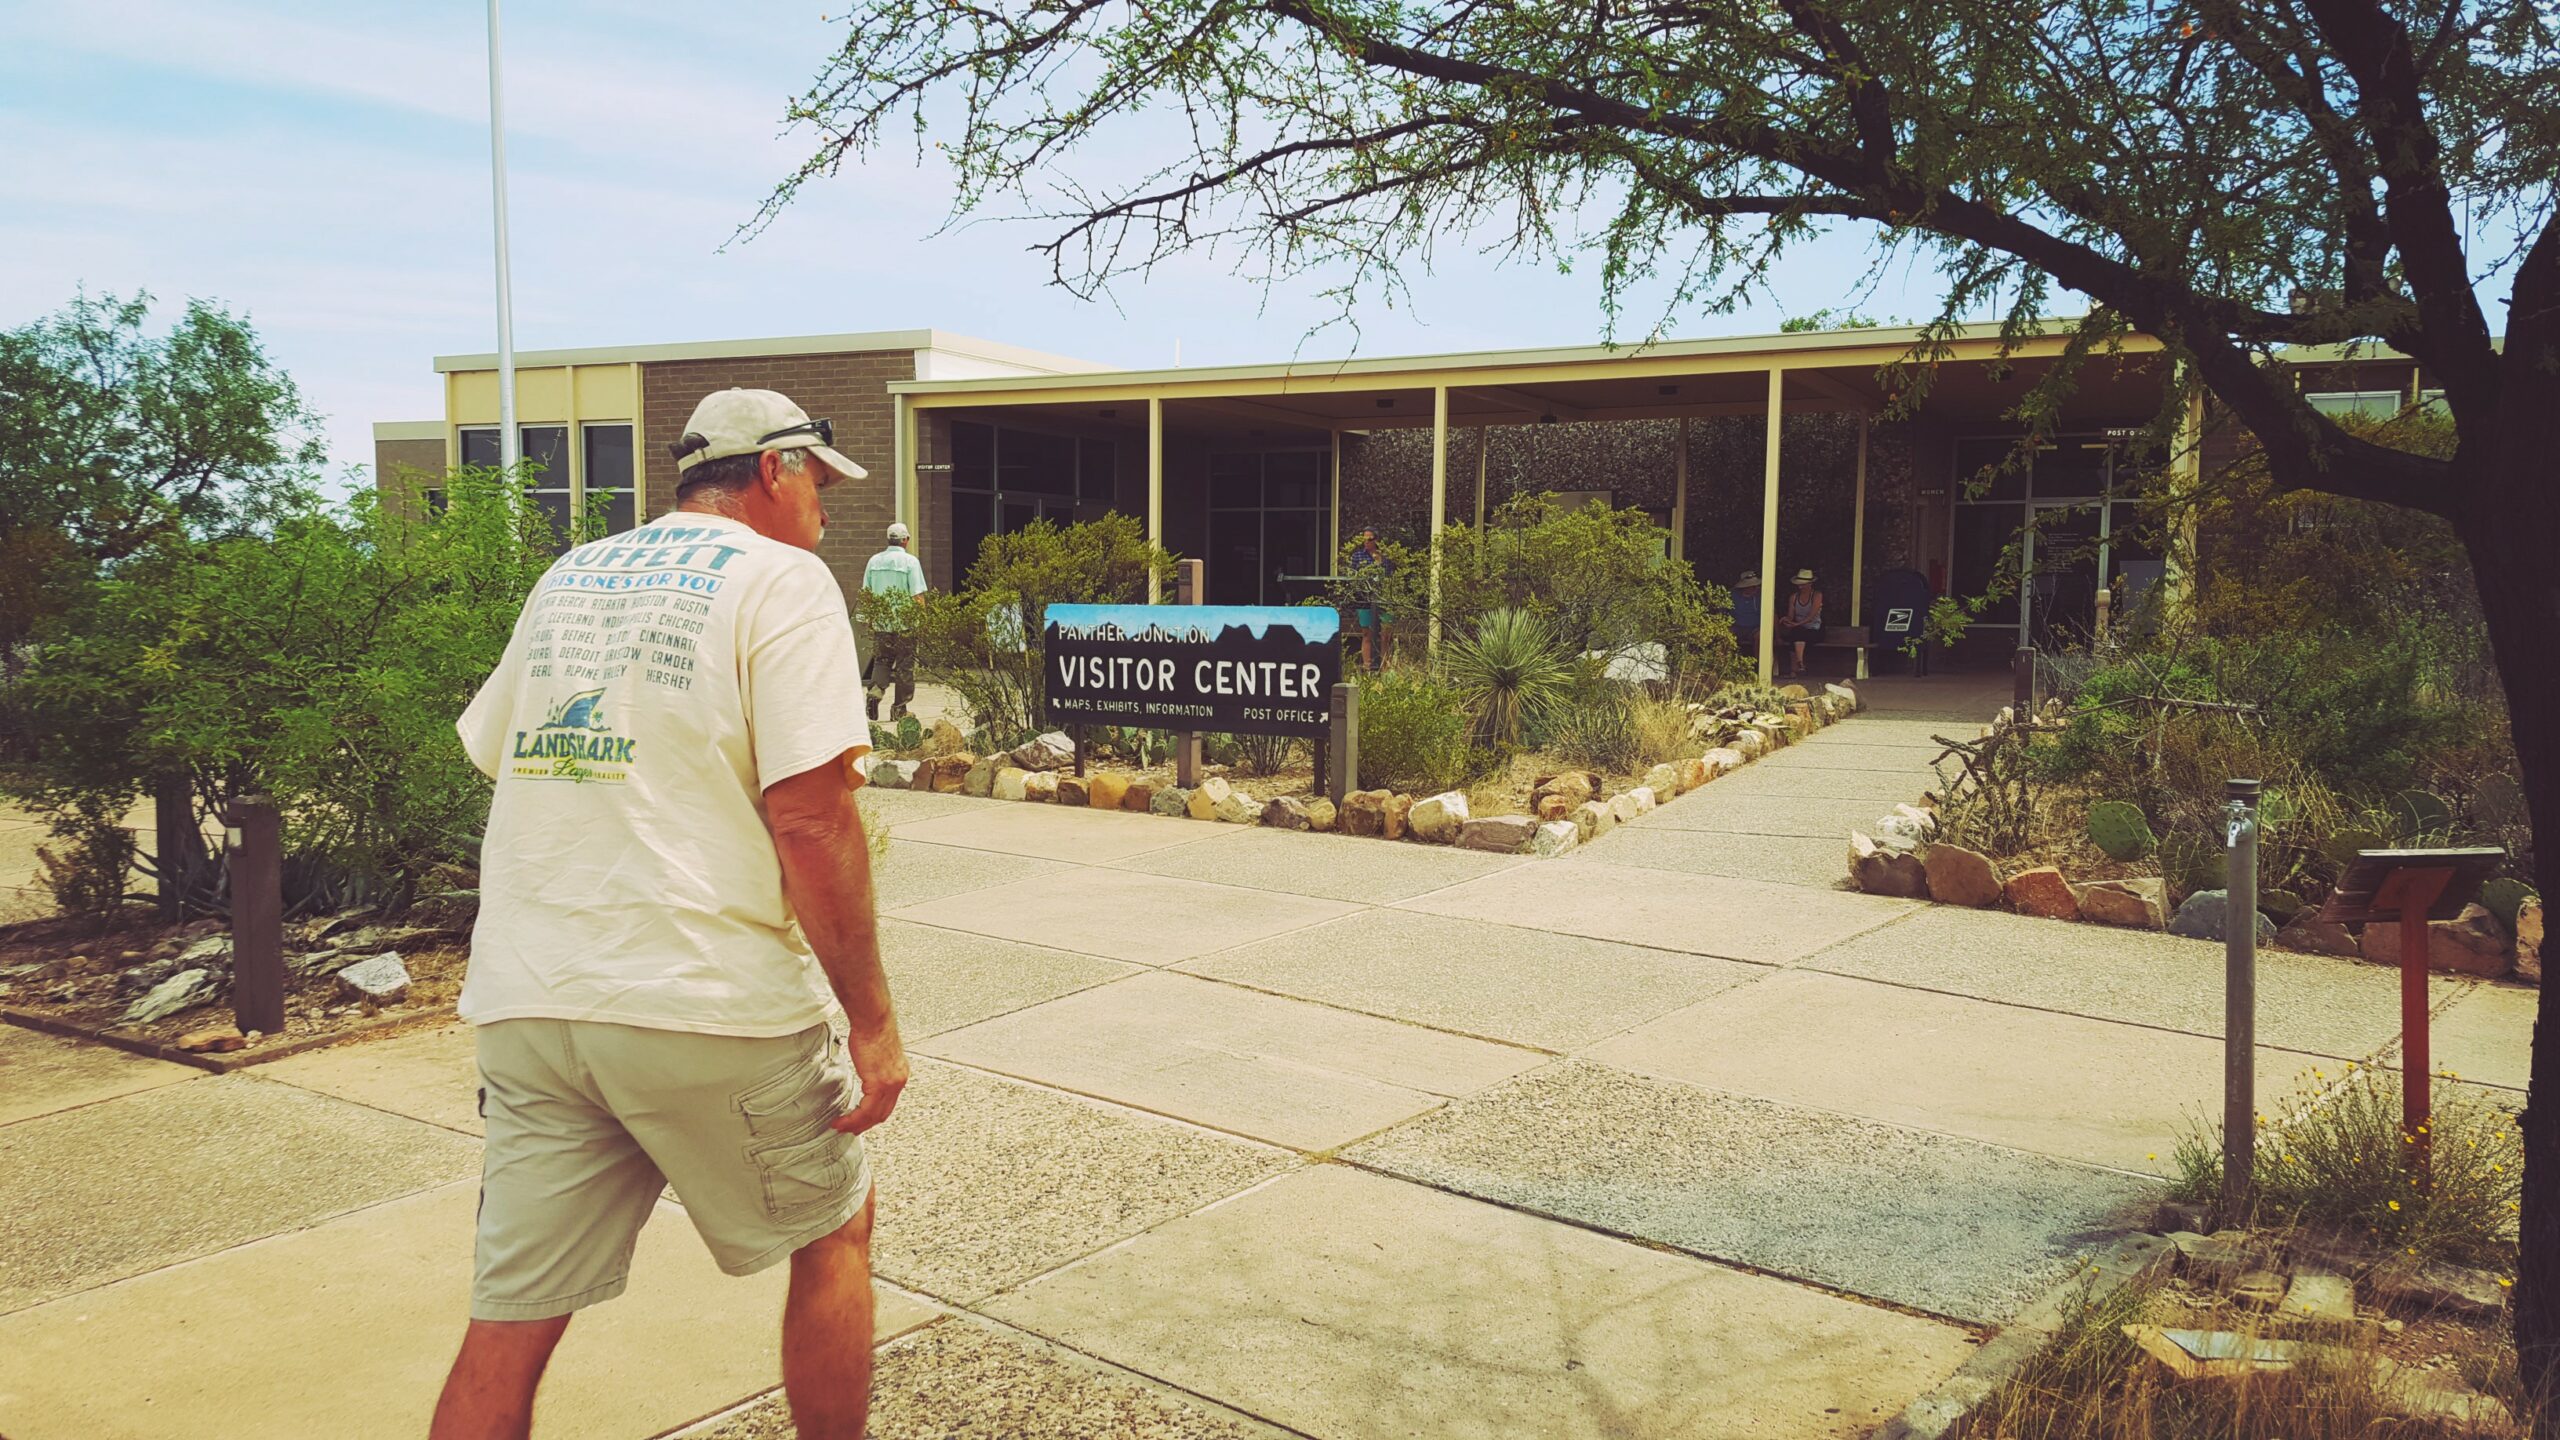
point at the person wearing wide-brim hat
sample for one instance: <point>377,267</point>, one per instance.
<point>1746,610</point>
<point>1802,622</point>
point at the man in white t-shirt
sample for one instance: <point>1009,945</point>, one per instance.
<point>673,881</point>
<point>894,578</point>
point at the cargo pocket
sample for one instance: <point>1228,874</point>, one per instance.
<point>800,1100</point>
<point>803,1178</point>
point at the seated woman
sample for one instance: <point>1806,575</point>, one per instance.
<point>1801,622</point>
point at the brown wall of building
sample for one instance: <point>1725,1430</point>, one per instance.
<point>850,389</point>
<point>400,467</point>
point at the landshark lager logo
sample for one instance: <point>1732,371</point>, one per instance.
<point>575,743</point>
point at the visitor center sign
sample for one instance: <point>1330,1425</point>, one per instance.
<point>1243,669</point>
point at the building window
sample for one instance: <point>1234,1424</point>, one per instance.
<point>1002,479</point>
<point>1267,521</point>
<point>2372,404</point>
<point>2088,531</point>
<point>551,481</point>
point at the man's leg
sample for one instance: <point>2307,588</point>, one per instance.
<point>826,1333</point>
<point>489,1394</point>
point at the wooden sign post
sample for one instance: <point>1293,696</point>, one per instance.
<point>257,915</point>
<point>2412,887</point>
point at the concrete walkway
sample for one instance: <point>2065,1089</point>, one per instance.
<point>1220,1132</point>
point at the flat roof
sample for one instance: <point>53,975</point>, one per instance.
<point>1723,348</point>
<point>862,340</point>
<point>408,430</point>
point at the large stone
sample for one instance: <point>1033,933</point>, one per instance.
<point>2529,942</point>
<point>1878,871</point>
<point>1171,800</point>
<point>214,1040</point>
<point>1842,695</point>
<point>1075,790</point>
<point>1747,743</point>
<point>1553,838</point>
<point>1663,780</point>
<point>981,778</point>
<point>1320,814</point>
<point>2311,935</point>
<point>2042,892</point>
<point>895,774</point>
<point>1792,692</point>
<point>1693,773</point>
<point>1646,797</point>
<point>1285,812</point>
<point>951,772</point>
<point>186,988</point>
<point>2202,915</point>
<point>1437,820</point>
<point>1053,751</point>
<point>2469,945</point>
<point>1399,818</point>
<point>1575,786</point>
<point>1012,783</point>
<point>1552,807</point>
<point>1622,807</point>
<point>1208,796</point>
<point>1723,760</point>
<point>1903,834</point>
<point>2322,1299</point>
<point>1105,791</point>
<point>943,738</point>
<point>1238,808</point>
<point>1140,798</point>
<point>2438,1287</point>
<point>1364,812</point>
<point>1041,785</point>
<point>1958,876</point>
<point>1593,818</point>
<point>1498,834</point>
<point>382,979</point>
<point>2140,904</point>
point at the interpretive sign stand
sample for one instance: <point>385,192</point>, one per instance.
<point>2412,887</point>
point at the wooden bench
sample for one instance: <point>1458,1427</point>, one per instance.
<point>1848,637</point>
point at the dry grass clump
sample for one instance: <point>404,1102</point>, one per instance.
<point>2333,1156</point>
<point>2095,1383</point>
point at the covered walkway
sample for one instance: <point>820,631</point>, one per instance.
<point>1193,450</point>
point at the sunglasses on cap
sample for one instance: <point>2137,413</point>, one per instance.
<point>825,430</point>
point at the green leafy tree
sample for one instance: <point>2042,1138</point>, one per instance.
<point>2229,178</point>
<point>113,438</point>
<point>321,662</point>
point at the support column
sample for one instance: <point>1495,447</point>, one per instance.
<point>1333,556</point>
<point>1484,439</point>
<point>1439,502</point>
<point>902,471</point>
<point>2186,481</point>
<point>1155,492</point>
<point>1858,546</point>
<point>1680,494</point>
<point>1769,533</point>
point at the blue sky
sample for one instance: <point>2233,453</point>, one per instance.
<point>324,168</point>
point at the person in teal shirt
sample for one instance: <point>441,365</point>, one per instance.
<point>896,578</point>
<point>1746,612</point>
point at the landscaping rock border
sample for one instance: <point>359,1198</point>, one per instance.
<point>1566,810</point>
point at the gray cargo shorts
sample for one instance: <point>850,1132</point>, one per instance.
<point>589,1121</point>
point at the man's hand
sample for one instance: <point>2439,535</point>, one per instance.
<point>880,1061</point>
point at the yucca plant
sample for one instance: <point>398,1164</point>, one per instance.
<point>1510,673</point>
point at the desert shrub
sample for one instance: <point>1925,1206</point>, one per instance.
<point>1261,754</point>
<point>321,663</point>
<point>2334,1155</point>
<point>1510,674</point>
<point>984,640</point>
<point>1414,731</point>
<point>1598,577</point>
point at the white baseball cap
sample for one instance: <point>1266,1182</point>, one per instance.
<point>743,422</point>
<point>898,531</point>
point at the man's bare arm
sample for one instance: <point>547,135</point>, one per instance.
<point>826,874</point>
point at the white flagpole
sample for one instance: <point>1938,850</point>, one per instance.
<point>510,442</point>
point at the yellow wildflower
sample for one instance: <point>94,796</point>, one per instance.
<point>2395,1204</point>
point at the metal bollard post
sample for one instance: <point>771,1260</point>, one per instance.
<point>2239,1000</point>
<point>1344,775</point>
<point>1189,588</point>
<point>257,915</point>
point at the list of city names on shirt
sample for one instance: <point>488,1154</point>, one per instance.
<point>582,636</point>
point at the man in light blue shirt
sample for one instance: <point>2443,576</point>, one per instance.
<point>894,579</point>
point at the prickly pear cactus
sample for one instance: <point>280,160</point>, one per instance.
<point>2193,862</point>
<point>2497,803</point>
<point>2418,814</point>
<point>2503,897</point>
<point>910,732</point>
<point>2341,847</point>
<point>2118,828</point>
